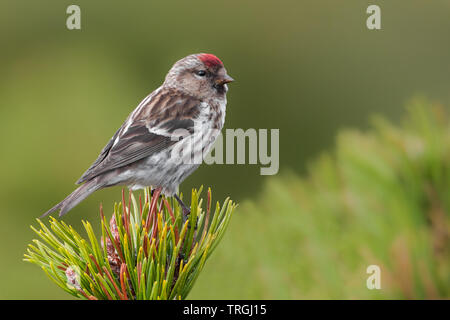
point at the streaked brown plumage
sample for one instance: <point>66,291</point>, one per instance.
<point>192,99</point>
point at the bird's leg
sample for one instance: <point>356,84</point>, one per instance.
<point>186,210</point>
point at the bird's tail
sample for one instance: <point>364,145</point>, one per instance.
<point>75,197</point>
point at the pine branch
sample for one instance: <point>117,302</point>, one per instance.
<point>145,250</point>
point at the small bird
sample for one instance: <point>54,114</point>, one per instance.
<point>140,154</point>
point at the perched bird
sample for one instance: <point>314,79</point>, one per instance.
<point>192,99</point>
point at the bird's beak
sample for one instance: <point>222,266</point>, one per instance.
<point>224,80</point>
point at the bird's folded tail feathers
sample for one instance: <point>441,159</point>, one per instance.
<point>75,198</point>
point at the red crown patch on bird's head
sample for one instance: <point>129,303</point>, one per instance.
<point>210,60</point>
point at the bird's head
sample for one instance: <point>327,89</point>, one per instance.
<point>201,75</point>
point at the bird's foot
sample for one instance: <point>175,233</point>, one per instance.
<point>185,208</point>
<point>186,212</point>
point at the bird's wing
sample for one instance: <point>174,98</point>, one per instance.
<point>148,130</point>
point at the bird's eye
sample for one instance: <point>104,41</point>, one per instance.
<point>201,73</point>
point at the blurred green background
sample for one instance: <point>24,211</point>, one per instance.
<point>309,68</point>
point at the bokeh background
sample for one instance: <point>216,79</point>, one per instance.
<point>310,68</point>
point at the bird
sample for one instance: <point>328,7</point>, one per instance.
<point>186,111</point>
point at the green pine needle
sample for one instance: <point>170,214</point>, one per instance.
<point>145,252</point>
